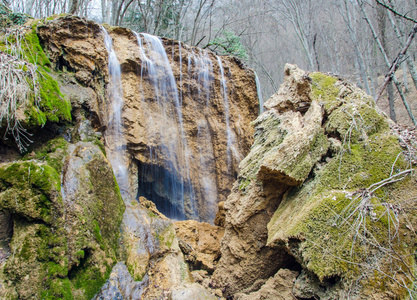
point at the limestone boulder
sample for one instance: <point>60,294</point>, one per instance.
<point>200,242</point>
<point>320,192</point>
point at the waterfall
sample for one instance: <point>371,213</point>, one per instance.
<point>259,91</point>
<point>202,66</point>
<point>180,189</point>
<point>170,173</point>
<point>115,141</point>
<point>230,136</point>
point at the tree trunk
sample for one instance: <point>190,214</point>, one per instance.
<point>382,16</point>
<point>409,59</point>
<point>74,7</point>
<point>394,78</point>
<point>359,58</point>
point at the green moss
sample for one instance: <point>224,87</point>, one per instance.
<point>54,269</point>
<point>25,252</point>
<point>55,16</point>
<point>366,163</point>
<point>51,105</point>
<point>268,136</point>
<point>323,90</point>
<point>98,143</point>
<point>165,236</point>
<point>33,51</point>
<point>61,263</point>
<point>97,232</point>
<point>132,268</point>
<point>53,153</point>
<point>80,254</point>
<point>356,121</point>
<point>244,183</point>
<point>107,191</point>
<point>90,280</point>
<point>30,189</point>
<point>151,214</point>
<point>58,289</point>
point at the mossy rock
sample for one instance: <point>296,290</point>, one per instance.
<point>65,245</point>
<point>340,222</point>
<point>53,106</point>
<point>45,103</point>
<point>31,189</point>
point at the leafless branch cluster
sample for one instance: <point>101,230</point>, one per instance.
<point>365,208</point>
<point>19,86</point>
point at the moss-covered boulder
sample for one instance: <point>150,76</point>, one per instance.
<point>340,185</point>
<point>66,209</point>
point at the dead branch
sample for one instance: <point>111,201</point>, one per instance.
<point>395,64</point>
<point>394,11</point>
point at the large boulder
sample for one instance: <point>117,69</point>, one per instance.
<point>324,192</point>
<point>63,243</point>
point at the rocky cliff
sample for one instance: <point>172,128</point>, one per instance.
<point>185,126</point>
<point>186,113</point>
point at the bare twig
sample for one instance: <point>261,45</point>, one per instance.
<point>19,84</point>
<point>394,11</point>
<point>395,64</point>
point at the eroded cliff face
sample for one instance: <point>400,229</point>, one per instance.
<point>191,134</point>
<point>321,205</point>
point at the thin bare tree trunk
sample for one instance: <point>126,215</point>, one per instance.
<point>74,7</point>
<point>382,16</point>
<point>394,78</point>
<point>409,59</point>
<point>358,54</point>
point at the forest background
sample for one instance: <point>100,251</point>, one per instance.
<point>356,39</point>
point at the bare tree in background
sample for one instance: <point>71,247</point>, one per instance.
<point>330,35</point>
<point>382,17</point>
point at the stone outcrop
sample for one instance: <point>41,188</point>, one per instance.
<point>63,225</point>
<point>207,169</point>
<point>320,194</point>
<point>200,243</point>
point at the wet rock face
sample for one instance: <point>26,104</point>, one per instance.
<point>191,134</point>
<point>323,163</point>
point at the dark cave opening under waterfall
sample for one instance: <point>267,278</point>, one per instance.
<point>172,197</point>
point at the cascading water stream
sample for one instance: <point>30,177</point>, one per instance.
<point>231,139</point>
<point>174,174</point>
<point>203,66</point>
<point>259,92</point>
<point>115,141</point>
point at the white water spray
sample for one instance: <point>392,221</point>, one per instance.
<point>259,91</point>
<point>115,141</point>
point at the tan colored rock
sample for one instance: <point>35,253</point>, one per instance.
<point>192,291</point>
<point>220,215</point>
<point>278,287</point>
<point>203,240</point>
<point>293,94</point>
<point>287,145</point>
